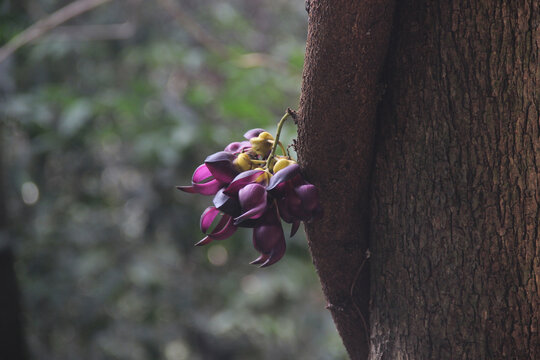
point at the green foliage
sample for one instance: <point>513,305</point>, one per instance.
<point>96,136</point>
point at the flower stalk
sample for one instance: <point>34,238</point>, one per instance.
<point>276,140</point>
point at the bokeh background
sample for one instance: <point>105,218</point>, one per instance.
<point>100,120</point>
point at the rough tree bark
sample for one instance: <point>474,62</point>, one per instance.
<point>347,41</point>
<point>455,194</point>
<point>455,220</point>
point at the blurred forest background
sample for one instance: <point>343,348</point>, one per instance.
<point>101,118</point>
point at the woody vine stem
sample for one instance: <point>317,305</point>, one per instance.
<point>276,141</point>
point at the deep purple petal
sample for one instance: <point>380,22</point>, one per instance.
<point>204,241</point>
<point>233,147</point>
<point>188,189</point>
<point>209,188</point>
<point>207,218</point>
<point>283,175</point>
<point>245,145</point>
<point>309,195</point>
<point>201,174</point>
<point>250,223</point>
<point>254,213</point>
<point>269,239</point>
<point>242,180</point>
<point>276,254</point>
<point>285,212</point>
<point>268,233</point>
<point>251,196</point>
<point>294,228</point>
<point>227,204</point>
<point>290,207</point>
<point>266,237</point>
<point>253,133</point>
<point>261,259</point>
<point>202,182</point>
<point>223,231</point>
<point>221,166</point>
<point>238,147</point>
<point>253,201</point>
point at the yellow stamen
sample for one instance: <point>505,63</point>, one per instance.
<point>262,144</point>
<point>243,162</point>
<point>264,177</point>
<point>282,164</point>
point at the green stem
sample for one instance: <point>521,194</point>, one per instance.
<point>276,140</point>
<point>282,148</point>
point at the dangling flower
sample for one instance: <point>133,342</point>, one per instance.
<point>223,229</point>
<point>249,188</point>
<point>268,239</point>
<point>297,199</point>
<point>217,171</point>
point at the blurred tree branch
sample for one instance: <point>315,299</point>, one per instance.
<point>194,29</point>
<point>92,32</point>
<point>206,39</point>
<point>41,27</point>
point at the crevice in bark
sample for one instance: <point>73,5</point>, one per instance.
<point>347,43</point>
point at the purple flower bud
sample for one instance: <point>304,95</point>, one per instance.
<point>277,181</point>
<point>227,204</point>
<point>309,195</point>
<point>253,201</point>
<point>253,133</point>
<point>294,228</point>
<point>268,239</point>
<point>203,182</point>
<point>224,228</point>
<point>221,166</point>
<point>297,199</point>
<point>242,180</point>
<point>238,147</point>
<point>289,207</point>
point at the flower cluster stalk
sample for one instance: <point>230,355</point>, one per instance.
<point>276,141</point>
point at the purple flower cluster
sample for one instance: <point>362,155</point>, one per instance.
<point>254,188</point>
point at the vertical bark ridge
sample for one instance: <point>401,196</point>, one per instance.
<point>456,196</point>
<point>346,46</point>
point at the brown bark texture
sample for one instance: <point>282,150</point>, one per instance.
<point>455,268</point>
<point>346,46</point>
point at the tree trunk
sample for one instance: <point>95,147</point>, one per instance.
<point>455,205</point>
<point>12,343</point>
<point>455,191</point>
<point>347,42</point>
<point>11,332</point>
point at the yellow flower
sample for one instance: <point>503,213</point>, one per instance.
<point>243,162</point>
<point>262,144</point>
<point>282,164</point>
